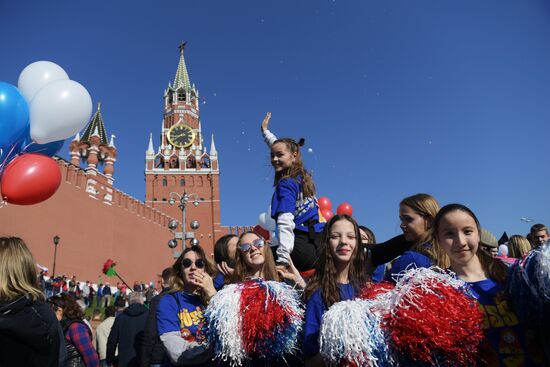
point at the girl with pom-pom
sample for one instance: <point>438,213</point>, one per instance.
<point>246,323</point>
<point>340,275</point>
<point>508,343</point>
<point>295,209</point>
<point>416,213</point>
<point>254,259</point>
<point>293,205</point>
<point>179,313</point>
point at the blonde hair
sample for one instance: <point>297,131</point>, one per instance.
<point>427,207</point>
<point>18,275</point>
<point>518,246</point>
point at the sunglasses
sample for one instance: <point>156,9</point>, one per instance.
<point>258,243</point>
<point>186,263</point>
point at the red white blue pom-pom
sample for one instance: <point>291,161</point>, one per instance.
<point>433,320</point>
<point>427,319</point>
<point>350,335</point>
<point>255,319</point>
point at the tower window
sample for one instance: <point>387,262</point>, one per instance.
<point>159,162</point>
<point>191,162</point>
<point>181,96</point>
<point>182,182</point>
<point>164,182</point>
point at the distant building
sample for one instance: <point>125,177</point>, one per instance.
<point>95,221</point>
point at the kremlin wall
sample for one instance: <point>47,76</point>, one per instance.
<point>95,221</point>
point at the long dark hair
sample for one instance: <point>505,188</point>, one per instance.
<point>325,275</point>
<point>370,235</point>
<point>297,169</point>
<point>209,268</point>
<point>495,269</point>
<point>220,250</point>
<point>71,310</point>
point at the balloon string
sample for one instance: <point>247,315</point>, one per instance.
<point>27,146</point>
<point>7,157</point>
<point>36,151</point>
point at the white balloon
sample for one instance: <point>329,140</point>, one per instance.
<point>59,110</point>
<point>270,224</point>
<point>37,75</point>
<point>262,220</point>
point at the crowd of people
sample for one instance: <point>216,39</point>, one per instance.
<point>326,260</point>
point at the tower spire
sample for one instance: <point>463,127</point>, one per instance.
<point>213,151</point>
<point>96,127</point>
<point>182,77</point>
<point>150,149</point>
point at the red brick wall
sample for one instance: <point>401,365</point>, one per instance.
<point>91,231</point>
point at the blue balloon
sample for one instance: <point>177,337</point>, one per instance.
<point>14,118</point>
<point>29,146</point>
<point>48,149</point>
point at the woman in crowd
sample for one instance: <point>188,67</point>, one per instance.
<point>78,334</point>
<point>340,275</point>
<point>225,250</point>
<point>179,313</point>
<point>457,231</point>
<point>416,213</point>
<point>254,259</point>
<point>518,246</point>
<point>368,240</point>
<point>30,334</point>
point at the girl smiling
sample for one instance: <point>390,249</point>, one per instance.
<point>339,276</point>
<point>508,343</point>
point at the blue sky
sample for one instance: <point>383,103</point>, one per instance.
<point>395,97</point>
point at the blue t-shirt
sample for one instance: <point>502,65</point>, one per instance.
<point>219,281</point>
<point>288,198</point>
<point>315,309</point>
<point>408,258</point>
<point>378,273</point>
<point>183,315</point>
<point>507,342</point>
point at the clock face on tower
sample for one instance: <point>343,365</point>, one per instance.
<point>181,136</point>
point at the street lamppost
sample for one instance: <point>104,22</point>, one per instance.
<point>182,199</point>
<point>55,243</point>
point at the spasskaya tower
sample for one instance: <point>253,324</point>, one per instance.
<point>182,163</point>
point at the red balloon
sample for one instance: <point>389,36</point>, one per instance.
<point>29,179</point>
<point>327,214</point>
<point>324,203</point>
<point>345,208</point>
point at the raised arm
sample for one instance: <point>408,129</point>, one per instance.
<point>269,137</point>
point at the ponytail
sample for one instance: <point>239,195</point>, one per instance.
<point>297,169</point>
